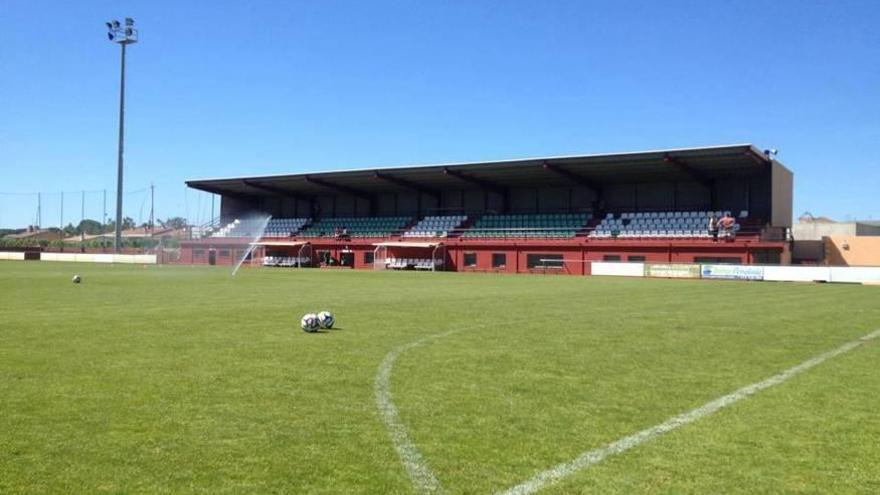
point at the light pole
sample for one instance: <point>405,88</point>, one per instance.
<point>122,35</point>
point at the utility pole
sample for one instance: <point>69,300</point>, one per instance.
<point>124,36</point>
<point>39,210</point>
<point>152,191</point>
<point>105,210</point>
<point>61,234</point>
<point>82,231</point>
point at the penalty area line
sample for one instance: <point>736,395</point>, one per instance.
<point>591,457</point>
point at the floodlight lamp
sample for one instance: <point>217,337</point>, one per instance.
<point>129,21</point>
<point>109,25</point>
<point>129,31</point>
<point>116,24</point>
<point>110,36</point>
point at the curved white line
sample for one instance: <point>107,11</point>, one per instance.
<point>419,472</point>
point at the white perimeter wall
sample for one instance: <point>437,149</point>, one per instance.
<point>140,259</point>
<point>618,269</point>
<point>847,274</point>
<point>11,256</point>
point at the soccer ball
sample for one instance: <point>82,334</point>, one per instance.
<point>76,279</point>
<point>325,319</point>
<point>309,323</point>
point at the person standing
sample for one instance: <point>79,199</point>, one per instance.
<point>727,224</point>
<point>713,227</point>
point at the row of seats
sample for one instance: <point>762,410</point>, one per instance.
<point>436,226</point>
<point>417,263</point>
<point>286,261</point>
<point>241,228</point>
<point>659,224</point>
<point>559,226</point>
<point>513,226</point>
<point>284,227</point>
<point>638,234</point>
<point>355,226</point>
<point>675,214</point>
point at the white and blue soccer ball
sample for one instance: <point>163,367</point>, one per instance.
<point>309,323</point>
<point>76,279</point>
<point>325,319</point>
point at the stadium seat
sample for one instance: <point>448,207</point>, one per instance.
<point>674,224</point>
<point>528,226</point>
<point>355,226</point>
<point>435,226</point>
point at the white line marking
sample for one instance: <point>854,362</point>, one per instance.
<point>419,472</point>
<point>596,456</point>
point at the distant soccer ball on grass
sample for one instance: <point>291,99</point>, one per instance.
<point>325,319</point>
<point>309,323</point>
<point>77,279</point>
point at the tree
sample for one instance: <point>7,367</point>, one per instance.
<point>89,227</point>
<point>173,223</point>
<point>127,223</point>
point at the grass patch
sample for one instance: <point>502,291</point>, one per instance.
<point>182,379</point>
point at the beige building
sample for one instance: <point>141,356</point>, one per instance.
<point>852,251</point>
<point>821,240</point>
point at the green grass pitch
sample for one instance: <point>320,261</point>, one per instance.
<point>186,380</point>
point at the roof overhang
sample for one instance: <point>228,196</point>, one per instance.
<point>679,164</point>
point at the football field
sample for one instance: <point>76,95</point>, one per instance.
<point>186,380</point>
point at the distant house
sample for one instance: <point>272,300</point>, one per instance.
<point>809,228</point>
<point>35,234</point>
<point>136,233</point>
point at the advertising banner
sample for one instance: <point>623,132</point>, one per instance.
<point>734,272</point>
<point>672,271</point>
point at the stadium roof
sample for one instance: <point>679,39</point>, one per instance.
<point>681,164</point>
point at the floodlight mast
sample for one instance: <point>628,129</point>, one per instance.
<point>123,36</point>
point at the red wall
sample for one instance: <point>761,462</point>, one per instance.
<point>575,253</point>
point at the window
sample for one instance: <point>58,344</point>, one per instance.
<point>198,253</point>
<point>543,260</point>
<point>470,260</point>
<point>611,257</point>
<point>767,256</point>
<point>224,253</point>
<point>703,259</point>
<point>635,258</point>
<point>368,257</point>
<point>499,260</point>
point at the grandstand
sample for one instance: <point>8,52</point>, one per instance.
<point>513,216</point>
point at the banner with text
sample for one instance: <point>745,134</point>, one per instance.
<point>672,270</point>
<point>733,272</point>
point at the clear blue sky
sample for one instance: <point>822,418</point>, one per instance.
<point>222,88</point>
